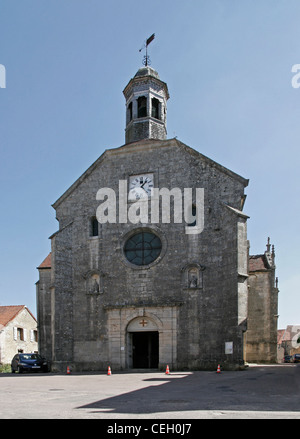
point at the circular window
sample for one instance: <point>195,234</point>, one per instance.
<point>142,248</point>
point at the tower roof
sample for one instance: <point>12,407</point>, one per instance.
<point>147,71</point>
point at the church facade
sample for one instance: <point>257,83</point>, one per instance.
<point>149,266</point>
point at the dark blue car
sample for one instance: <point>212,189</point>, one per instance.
<point>28,362</point>
<point>296,358</point>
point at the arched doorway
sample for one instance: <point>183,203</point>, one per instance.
<point>142,344</point>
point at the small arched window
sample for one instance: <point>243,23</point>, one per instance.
<point>94,227</point>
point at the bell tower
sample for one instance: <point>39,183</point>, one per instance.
<point>146,106</point>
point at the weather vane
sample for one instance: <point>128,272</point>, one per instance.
<point>146,59</point>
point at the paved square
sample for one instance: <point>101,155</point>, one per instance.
<point>258,392</point>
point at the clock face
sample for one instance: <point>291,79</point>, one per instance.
<point>140,187</point>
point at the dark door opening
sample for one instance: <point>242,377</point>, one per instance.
<point>145,350</point>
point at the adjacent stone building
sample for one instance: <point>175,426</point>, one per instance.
<point>288,342</point>
<point>261,346</point>
<point>138,278</point>
<point>18,332</point>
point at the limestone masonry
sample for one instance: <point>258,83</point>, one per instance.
<point>146,295</point>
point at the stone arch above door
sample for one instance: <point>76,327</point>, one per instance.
<point>141,323</point>
<point>123,321</point>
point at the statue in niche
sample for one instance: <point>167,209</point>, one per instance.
<point>96,286</point>
<point>193,278</point>
<point>93,284</point>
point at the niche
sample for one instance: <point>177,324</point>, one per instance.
<point>192,276</point>
<point>93,282</point>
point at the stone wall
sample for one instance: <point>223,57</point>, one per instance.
<point>262,313</point>
<point>89,326</point>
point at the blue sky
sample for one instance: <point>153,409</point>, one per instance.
<point>228,68</point>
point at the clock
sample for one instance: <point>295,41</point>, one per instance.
<point>140,187</point>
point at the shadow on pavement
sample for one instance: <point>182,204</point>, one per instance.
<point>257,389</point>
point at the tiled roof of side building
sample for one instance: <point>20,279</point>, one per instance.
<point>46,262</point>
<point>8,313</point>
<point>257,263</point>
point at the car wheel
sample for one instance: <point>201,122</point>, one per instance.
<point>12,370</point>
<point>20,370</point>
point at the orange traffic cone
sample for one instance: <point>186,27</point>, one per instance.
<point>109,371</point>
<point>68,370</point>
<point>167,370</point>
<point>218,369</point>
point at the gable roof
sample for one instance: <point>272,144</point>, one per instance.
<point>8,313</point>
<point>258,263</point>
<point>46,262</point>
<point>151,144</point>
<point>290,332</point>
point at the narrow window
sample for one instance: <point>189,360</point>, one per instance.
<point>130,112</point>
<point>155,108</point>
<point>20,334</point>
<point>142,106</point>
<point>33,335</point>
<point>94,227</point>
